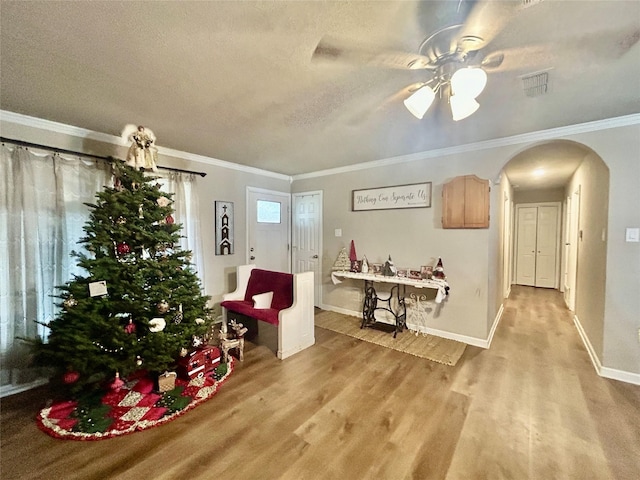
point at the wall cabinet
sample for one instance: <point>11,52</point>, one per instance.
<point>465,203</point>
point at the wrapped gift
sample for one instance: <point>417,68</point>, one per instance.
<point>167,381</point>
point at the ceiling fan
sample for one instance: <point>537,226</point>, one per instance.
<point>453,55</point>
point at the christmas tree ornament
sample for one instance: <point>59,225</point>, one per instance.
<point>163,202</point>
<point>163,306</point>
<point>197,341</point>
<point>121,220</point>
<point>135,186</point>
<point>169,220</point>
<point>123,248</point>
<point>199,321</point>
<point>117,184</point>
<point>157,324</point>
<point>138,361</point>
<point>70,377</point>
<point>140,213</point>
<point>117,383</point>
<point>142,152</point>
<point>177,318</point>
<point>130,327</point>
<point>70,302</point>
<point>183,352</point>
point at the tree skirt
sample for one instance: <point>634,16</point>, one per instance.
<point>136,406</point>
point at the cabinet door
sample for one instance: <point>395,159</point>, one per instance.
<point>453,203</point>
<point>476,202</point>
<point>465,203</point>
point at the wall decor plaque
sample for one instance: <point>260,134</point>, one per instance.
<point>416,195</point>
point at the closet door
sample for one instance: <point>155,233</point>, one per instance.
<point>537,245</point>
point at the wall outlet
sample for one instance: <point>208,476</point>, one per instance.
<point>338,232</point>
<point>632,235</point>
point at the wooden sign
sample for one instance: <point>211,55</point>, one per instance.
<point>416,195</point>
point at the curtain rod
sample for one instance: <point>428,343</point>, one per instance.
<point>23,143</point>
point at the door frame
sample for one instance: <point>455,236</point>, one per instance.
<point>287,216</point>
<point>318,279</point>
<point>558,205</point>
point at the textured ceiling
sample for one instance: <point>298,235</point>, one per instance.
<point>235,80</point>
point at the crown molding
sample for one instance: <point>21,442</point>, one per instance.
<point>532,137</point>
<point>74,131</point>
<point>549,134</point>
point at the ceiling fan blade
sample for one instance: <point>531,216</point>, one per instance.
<point>492,61</point>
<point>328,49</point>
<point>485,21</point>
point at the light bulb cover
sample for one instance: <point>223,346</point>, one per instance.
<point>468,82</point>
<point>420,101</point>
<point>462,107</point>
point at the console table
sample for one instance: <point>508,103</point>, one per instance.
<point>398,290</point>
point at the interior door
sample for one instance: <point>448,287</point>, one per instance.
<point>526,249</point>
<point>537,245</point>
<point>268,230</point>
<point>547,246</point>
<point>306,242</point>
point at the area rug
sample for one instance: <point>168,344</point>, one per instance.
<point>136,406</point>
<point>436,349</point>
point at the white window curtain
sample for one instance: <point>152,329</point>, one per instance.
<point>42,214</point>
<point>183,187</point>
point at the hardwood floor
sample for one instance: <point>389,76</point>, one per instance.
<point>531,407</point>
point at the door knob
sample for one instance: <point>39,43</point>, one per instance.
<point>252,257</point>
<point>315,256</point>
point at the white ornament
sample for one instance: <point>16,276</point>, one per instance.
<point>157,324</point>
<point>163,201</point>
<point>197,341</point>
<point>199,321</point>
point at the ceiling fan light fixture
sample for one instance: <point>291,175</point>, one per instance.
<point>468,82</point>
<point>420,101</point>
<point>462,106</point>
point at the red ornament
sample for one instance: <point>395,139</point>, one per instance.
<point>122,248</point>
<point>169,220</point>
<point>70,377</point>
<point>130,327</point>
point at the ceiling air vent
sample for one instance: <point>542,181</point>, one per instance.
<point>529,3</point>
<point>535,84</point>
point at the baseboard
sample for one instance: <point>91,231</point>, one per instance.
<point>606,372</point>
<point>7,390</point>
<point>496,321</point>
<point>477,342</point>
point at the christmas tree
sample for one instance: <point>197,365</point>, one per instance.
<point>139,306</point>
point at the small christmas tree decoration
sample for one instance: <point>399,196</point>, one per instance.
<point>140,212</point>
<point>163,306</point>
<point>121,220</point>
<point>138,361</point>
<point>169,220</point>
<point>157,324</point>
<point>183,352</point>
<point>342,263</point>
<point>365,265</point>
<point>70,377</point>
<point>177,318</point>
<point>353,258</point>
<point>389,269</point>
<point>130,327</point>
<point>163,201</point>
<point>199,321</point>
<point>69,302</point>
<point>123,248</point>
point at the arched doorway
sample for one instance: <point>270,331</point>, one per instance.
<point>575,178</point>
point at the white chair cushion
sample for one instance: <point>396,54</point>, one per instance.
<point>262,300</point>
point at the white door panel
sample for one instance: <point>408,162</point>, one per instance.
<point>307,237</point>
<point>268,229</point>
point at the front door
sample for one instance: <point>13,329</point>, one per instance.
<point>268,229</point>
<point>307,237</point>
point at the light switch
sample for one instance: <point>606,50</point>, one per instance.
<point>338,232</point>
<point>633,235</point>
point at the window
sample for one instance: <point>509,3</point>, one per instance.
<point>269,212</point>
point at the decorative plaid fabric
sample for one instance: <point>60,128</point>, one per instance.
<point>136,406</point>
